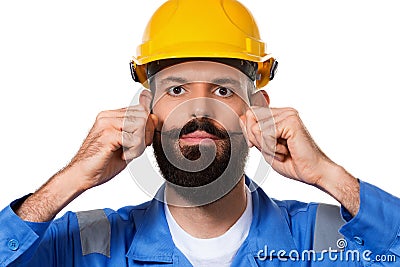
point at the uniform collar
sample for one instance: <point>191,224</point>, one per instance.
<point>153,242</point>
<point>270,227</point>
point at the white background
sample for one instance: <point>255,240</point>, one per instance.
<point>61,62</point>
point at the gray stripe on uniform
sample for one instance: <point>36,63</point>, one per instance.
<point>327,224</point>
<point>95,232</point>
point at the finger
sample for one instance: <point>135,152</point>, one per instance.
<point>133,111</point>
<point>151,124</point>
<point>252,128</point>
<point>105,123</point>
<point>289,125</point>
<point>132,125</point>
<point>111,114</point>
<point>132,153</point>
<point>134,108</point>
<point>271,159</point>
<point>137,114</point>
<point>267,128</point>
<point>145,99</point>
<point>256,131</point>
<point>242,123</point>
<point>283,115</point>
<point>131,141</point>
<point>262,113</point>
<point>282,141</point>
<point>129,124</point>
<point>272,137</point>
<point>270,145</point>
<point>281,149</point>
<point>270,128</point>
<point>279,157</point>
<point>274,114</point>
<point>274,159</point>
<point>268,142</point>
<point>110,137</point>
<point>280,111</point>
<point>260,99</point>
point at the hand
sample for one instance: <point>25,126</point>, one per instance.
<point>288,147</point>
<point>117,137</point>
<point>285,143</point>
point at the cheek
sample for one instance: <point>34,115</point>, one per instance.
<point>239,104</point>
<point>169,116</point>
<point>229,114</point>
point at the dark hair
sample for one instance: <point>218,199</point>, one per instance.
<point>247,67</point>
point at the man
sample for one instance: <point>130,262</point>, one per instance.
<point>201,114</point>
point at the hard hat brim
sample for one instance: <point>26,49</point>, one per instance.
<point>198,50</point>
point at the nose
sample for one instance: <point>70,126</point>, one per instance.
<point>201,108</point>
<point>202,105</point>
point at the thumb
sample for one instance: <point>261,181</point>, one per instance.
<point>242,122</point>
<point>145,99</point>
<point>151,125</point>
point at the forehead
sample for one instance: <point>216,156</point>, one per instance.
<point>199,71</point>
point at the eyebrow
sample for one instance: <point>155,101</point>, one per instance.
<point>222,81</point>
<point>174,80</point>
<point>218,81</point>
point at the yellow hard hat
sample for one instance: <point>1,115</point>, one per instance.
<point>203,29</point>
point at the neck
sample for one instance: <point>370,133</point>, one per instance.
<point>214,219</point>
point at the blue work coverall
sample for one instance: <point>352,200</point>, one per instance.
<point>282,233</point>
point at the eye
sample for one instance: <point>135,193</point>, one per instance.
<point>176,91</point>
<point>223,92</point>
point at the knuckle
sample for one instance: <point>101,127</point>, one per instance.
<point>134,119</point>
<point>126,138</point>
<point>293,119</point>
<point>101,123</point>
<point>249,112</point>
<point>131,140</point>
<point>137,141</point>
<point>140,107</point>
<point>293,111</point>
<point>132,153</point>
<point>101,114</point>
<point>136,109</point>
<point>108,133</point>
<point>255,127</point>
<point>141,121</point>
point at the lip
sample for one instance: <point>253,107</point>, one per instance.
<point>197,137</point>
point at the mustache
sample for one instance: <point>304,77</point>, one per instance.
<point>201,124</point>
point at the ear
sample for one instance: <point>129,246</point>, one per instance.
<point>259,98</point>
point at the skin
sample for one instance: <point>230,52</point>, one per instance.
<point>101,157</point>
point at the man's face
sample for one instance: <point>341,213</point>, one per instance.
<point>199,141</point>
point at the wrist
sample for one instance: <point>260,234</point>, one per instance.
<point>76,178</point>
<point>51,198</point>
<point>330,175</point>
<point>342,186</point>
<point>67,185</point>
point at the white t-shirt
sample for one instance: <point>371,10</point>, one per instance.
<point>218,251</point>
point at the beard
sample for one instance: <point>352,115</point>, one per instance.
<point>201,173</point>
